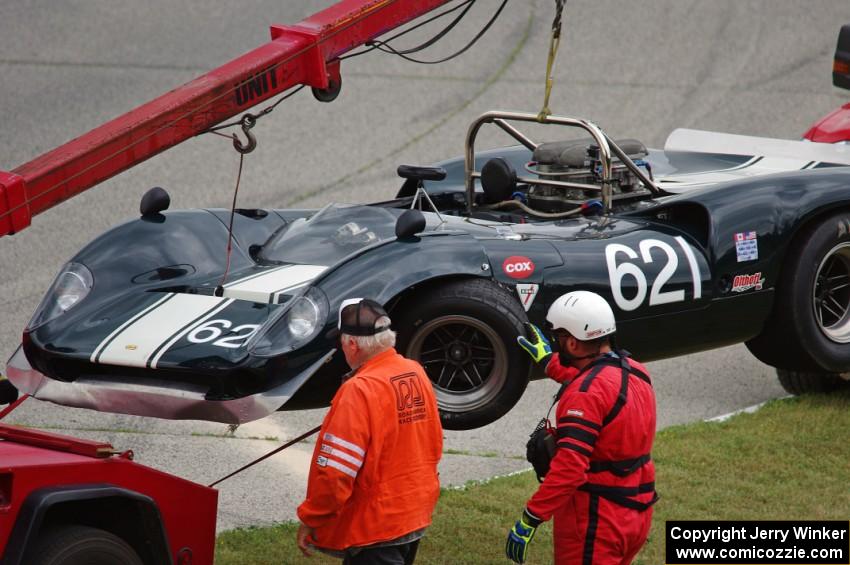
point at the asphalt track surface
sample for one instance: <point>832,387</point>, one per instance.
<point>638,69</point>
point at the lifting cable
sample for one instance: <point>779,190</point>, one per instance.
<point>385,47</point>
<point>248,120</point>
<point>292,442</point>
<point>554,42</point>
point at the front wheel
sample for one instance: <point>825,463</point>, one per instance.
<point>82,545</point>
<point>464,335</point>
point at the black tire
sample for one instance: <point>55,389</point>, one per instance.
<point>809,330</point>
<point>445,327</point>
<point>804,382</point>
<point>81,545</point>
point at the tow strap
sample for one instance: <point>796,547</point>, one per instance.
<point>290,443</point>
<point>554,42</point>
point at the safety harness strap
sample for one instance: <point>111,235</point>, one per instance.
<point>621,495</point>
<point>622,468</point>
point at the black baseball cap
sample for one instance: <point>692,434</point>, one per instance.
<point>359,316</point>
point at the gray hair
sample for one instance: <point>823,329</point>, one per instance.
<point>371,345</point>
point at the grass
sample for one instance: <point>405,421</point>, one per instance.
<point>787,461</point>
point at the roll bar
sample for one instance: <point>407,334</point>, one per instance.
<point>606,149</point>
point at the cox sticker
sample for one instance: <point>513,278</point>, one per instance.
<point>518,267</point>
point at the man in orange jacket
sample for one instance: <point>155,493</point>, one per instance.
<point>600,486</point>
<point>373,481</point>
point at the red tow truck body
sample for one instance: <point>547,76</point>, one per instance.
<point>49,482</point>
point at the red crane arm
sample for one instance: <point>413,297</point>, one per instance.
<point>306,53</point>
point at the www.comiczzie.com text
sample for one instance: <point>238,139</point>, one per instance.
<point>766,542</point>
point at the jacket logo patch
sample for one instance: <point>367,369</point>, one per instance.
<point>574,412</point>
<point>526,293</point>
<point>518,267</point>
<point>742,283</point>
<point>410,402</point>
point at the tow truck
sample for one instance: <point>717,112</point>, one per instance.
<point>65,500</point>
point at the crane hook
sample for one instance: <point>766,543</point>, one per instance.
<point>248,121</point>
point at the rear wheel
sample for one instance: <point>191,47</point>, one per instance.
<point>464,335</point>
<point>82,545</point>
<point>809,330</point>
<point>802,382</point>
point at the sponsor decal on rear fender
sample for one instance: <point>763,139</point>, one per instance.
<point>743,283</point>
<point>518,267</point>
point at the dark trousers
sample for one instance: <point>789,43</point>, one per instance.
<point>403,554</point>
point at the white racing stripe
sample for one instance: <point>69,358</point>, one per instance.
<point>752,168</point>
<point>187,329</point>
<point>121,328</point>
<point>133,344</point>
<point>267,287</point>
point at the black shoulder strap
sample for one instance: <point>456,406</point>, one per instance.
<point>594,368</point>
<point>622,394</point>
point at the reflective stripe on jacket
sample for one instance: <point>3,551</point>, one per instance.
<point>373,476</point>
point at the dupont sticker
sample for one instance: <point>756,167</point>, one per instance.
<point>743,283</point>
<point>527,292</point>
<point>518,267</point>
<point>747,246</point>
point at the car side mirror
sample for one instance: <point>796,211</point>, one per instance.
<point>409,224</point>
<point>154,201</point>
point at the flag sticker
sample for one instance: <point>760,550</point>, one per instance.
<point>526,293</point>
<point>747,246</point>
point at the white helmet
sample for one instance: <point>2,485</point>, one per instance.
<point>586,315</point>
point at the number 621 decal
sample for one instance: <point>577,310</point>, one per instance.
<point>657,294</point>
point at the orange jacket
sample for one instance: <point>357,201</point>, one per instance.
<point>374,472</point>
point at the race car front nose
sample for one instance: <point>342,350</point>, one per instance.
<point>155,398</point>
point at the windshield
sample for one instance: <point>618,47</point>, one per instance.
<point>330,234</point>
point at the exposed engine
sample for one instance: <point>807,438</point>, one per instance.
<point>578,162</point>
<point>563,176</point>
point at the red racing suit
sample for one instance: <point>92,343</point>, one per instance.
<point>374,472</point>
<point>601,483</point>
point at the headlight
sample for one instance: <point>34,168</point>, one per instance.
<point>72,285</point>
<point>303,317</point>
<point>294,327</point>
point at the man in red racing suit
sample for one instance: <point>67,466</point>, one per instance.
<point>600,486</point>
